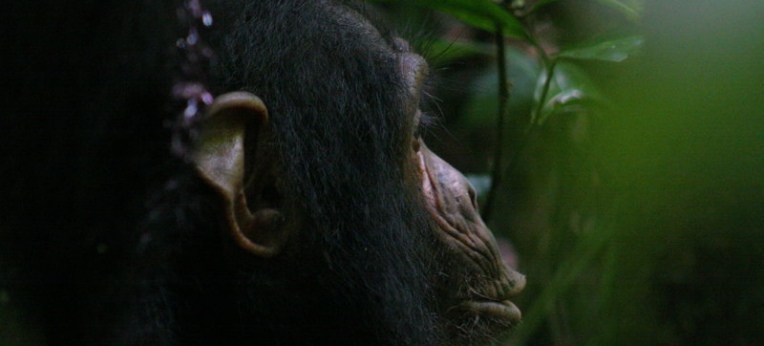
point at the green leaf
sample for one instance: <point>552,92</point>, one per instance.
<point>482,14</point>
<point>615,50</point>
<point>631,8</point>
<point>570,87</point>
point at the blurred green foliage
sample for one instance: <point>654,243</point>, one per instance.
<point>634,176</point>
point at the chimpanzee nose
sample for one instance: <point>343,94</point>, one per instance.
<point>454,193</point>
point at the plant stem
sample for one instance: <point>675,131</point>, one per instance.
<point>536,116</point>
<point>498,165</point>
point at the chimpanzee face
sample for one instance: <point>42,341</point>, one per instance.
<point>478,283</point>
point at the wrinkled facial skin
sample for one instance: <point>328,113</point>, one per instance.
<point>474,283</point>
<point>477,283</point>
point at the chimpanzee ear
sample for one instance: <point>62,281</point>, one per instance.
<point>220,161</point>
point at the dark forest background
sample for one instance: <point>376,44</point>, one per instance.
<point>630,183</point>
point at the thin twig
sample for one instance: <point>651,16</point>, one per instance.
<point>536,115</point>
<point>498,166</point>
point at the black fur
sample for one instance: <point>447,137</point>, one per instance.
<point>118,242</point>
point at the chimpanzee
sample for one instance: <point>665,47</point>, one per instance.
<point>299,206</point>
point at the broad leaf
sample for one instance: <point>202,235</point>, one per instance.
<point>615,50</point>
<point>570,87</point>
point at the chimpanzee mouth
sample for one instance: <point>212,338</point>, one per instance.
<point>502,310</point>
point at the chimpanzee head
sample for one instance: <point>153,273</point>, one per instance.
<point>301,207</point>
<point>316,151</point>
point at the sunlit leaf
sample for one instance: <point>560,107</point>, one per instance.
<point>562,101</point>
<point>482,14</point>
<point>615,50</point>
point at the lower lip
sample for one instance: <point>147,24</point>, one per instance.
<point>503,309</point>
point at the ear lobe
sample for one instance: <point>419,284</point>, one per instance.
<point>229,134</point>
